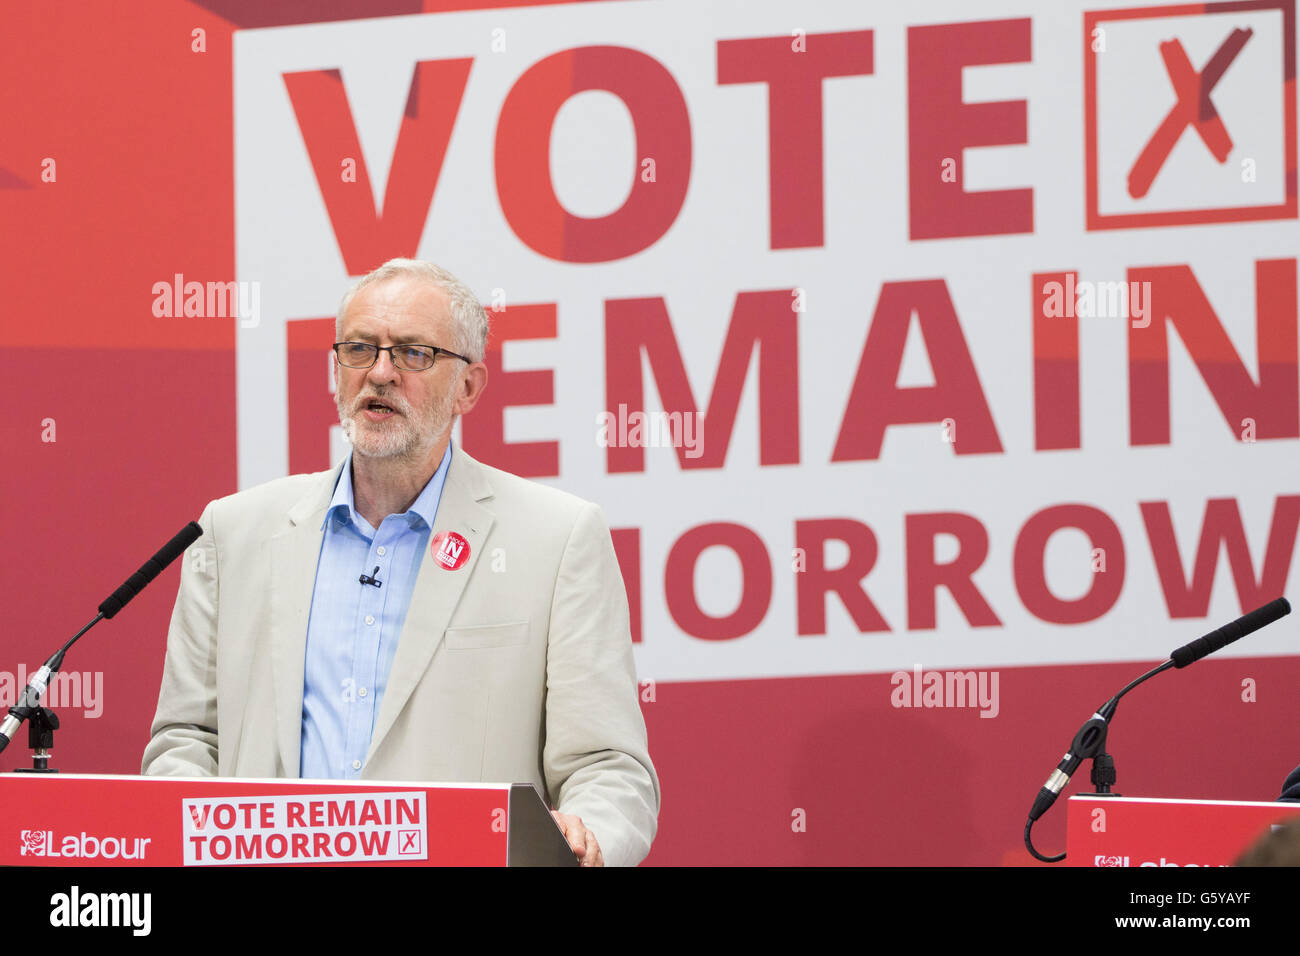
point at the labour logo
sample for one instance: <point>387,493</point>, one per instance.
<point>34,842</point>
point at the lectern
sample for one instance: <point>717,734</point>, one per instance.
<point>1141,831</point>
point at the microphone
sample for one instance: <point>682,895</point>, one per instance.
<point>1222,637</point>
<point>150,569</point>
<point>370,578</point>
<point>1085,744</point>
<point>29,700</point>
<point>1090,741</point>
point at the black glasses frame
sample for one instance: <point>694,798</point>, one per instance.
<point>392,355</point>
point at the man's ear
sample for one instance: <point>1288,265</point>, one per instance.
<point>473,381</point>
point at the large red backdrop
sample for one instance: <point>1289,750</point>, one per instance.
<point>990,318</point>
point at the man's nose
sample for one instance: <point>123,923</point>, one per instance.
<point>383,370</point>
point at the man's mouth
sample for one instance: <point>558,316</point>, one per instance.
<point>377,410</point>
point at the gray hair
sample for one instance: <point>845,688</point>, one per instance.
<point>467,313</point>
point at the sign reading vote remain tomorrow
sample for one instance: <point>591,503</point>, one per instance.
<point>321,827</point>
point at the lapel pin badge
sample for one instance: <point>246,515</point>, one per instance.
<point>449,549</point>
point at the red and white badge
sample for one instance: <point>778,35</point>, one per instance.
<point>449,549</point>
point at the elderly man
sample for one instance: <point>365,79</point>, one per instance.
<point>412,614</point>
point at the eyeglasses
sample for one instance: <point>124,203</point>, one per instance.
<point>409,358</point>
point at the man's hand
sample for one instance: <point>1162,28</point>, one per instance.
<point>581,840</point>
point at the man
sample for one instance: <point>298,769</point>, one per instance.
<point>412,614</point>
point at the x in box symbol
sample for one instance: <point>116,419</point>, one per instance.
<point>1143,93</point>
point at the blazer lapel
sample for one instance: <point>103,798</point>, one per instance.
<point>295,552</point>
<point>437,591</point>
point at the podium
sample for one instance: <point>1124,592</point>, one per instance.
<point>1137,831</point>
<point>109,820</point>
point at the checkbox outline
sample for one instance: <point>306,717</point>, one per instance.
<point>1287,209</point>
<point>416,839</point>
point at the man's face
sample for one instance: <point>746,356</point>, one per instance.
<point>388,412</point>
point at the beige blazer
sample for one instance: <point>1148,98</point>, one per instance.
<point>516,667</point>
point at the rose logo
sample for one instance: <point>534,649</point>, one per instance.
<point>34,842</point>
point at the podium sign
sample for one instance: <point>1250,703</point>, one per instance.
<point>1138,831</point>
<point>103,820</point>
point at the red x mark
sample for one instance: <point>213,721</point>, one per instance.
<point>1194,107</point>
<point>408,841</point>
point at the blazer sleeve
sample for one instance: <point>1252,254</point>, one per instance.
<point>183,738</point>
<point>595,757</point>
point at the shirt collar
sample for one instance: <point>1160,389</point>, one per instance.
<point>342,507</point>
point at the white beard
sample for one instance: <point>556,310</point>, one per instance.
<point>409,434</point>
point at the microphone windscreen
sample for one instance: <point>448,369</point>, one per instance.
<point>1246,624</point>
<point>168,553</point>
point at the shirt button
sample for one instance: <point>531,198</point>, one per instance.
<point>381,550</point>
<point>356,765</point>
<point>361,692</point>
<point>370,619</point>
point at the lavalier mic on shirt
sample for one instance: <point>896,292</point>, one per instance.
<point>370,578</point>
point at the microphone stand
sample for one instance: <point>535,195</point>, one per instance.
<point>41,725</point>
<point>43,721</point>
<point>1090,742</point>
<point>1103,764</point>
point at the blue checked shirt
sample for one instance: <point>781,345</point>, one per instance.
<point>353,628</point>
